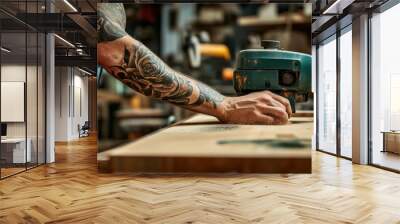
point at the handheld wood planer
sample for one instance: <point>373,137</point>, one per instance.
<point>286,73</point>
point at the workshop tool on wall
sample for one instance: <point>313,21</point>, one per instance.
<point>197,49</point>
<point>286,73</point>
<point>209,62</point>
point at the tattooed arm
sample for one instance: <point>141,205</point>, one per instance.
<point>136,66</point>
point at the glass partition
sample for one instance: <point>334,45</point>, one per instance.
<point>385,89</point>
<point>326,100</point>
<point>15,151</point>
<point>41,96</point>
<point>346,92</point>
<point>32,98</point>
<point>22,77</point>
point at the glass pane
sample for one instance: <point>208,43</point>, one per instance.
<point>41,98</point>
<point>385,86</point>
<point>327,96</point>
<point>13,86</point>
<point>32,98</point>
<point>346,94</point>
<point>22,77</point>
<point>314,80</point>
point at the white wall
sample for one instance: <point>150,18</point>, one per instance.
<point>13,73</point>
<point>80,96</point>
<point>62,81</point>
<point>33,127</point>
<point>71,94</point>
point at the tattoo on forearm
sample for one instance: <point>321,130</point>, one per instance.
<point>146,73</point>
<point>208,95</point>
<point>111,21</point>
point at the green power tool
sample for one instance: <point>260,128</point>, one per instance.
<point>286,73</point>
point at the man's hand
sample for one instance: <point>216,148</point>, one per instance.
<point>256,108</point>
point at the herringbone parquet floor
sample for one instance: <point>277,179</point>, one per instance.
<point>71,191</point>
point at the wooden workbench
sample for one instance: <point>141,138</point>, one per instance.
<point>202,144</point>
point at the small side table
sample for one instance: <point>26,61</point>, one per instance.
<point>391,141</point>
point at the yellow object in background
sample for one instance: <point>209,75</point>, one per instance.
<point>227,74</point>
<point>136,102</point>
<point>215,50</point>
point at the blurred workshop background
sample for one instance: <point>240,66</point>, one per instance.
<point>202,41</point>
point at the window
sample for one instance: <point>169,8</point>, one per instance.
<point>326,100</point>
<point>346,92</point>
<point>385,89</point>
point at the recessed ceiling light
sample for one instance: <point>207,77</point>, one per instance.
<point>65,41</point>
<point>5,50</point>
<point>337,7</point>
<point>84,71</point>
<point>70,5</point>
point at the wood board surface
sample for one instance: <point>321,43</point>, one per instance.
<point>202,144</point>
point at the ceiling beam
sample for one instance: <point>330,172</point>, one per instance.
<point>84,24</point>
<point>79,61</point>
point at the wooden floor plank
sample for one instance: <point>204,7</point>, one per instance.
<point>72,191</point>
